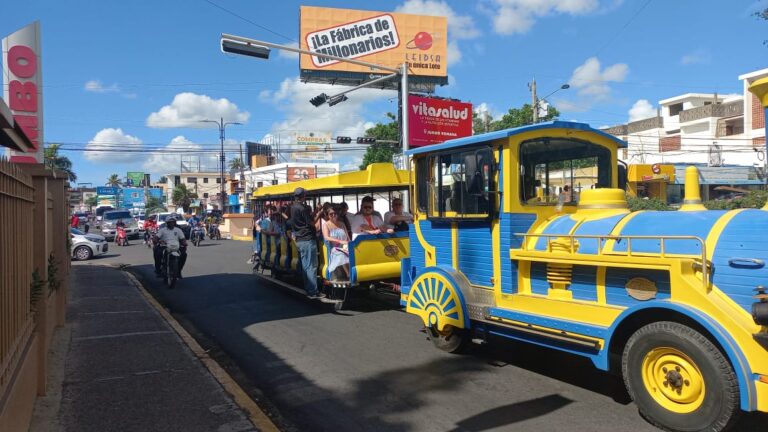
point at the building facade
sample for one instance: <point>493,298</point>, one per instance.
<point>723,135</point>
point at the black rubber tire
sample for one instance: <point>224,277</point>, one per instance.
<point>720,408</point>
<point>453,341</point>
<point>80,256</point>
<point>171,277</point>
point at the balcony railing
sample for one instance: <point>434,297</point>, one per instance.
<point>645,124</point>
<point>729,109</point>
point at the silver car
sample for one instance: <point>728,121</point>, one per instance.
<point>108,224</point>
<point>86,246</point>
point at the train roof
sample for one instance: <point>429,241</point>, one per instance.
<point>506,133</point>
<point>377,176</point>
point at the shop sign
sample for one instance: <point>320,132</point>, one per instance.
<point>432,121</point>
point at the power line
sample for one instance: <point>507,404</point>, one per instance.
<point>616,35</point>
<point>249,21</point>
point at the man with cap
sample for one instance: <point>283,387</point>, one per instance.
<point>170,233</point>
<point>366,222</point>
<point>303,226</point>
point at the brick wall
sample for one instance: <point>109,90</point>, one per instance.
<point>670,143</point>
<point>758,114</point>
<point>758,142</point>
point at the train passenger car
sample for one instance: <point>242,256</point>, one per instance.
<point>524,233</point>
<point>374,259</point>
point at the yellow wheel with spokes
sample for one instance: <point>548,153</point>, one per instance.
<point>673,380</point>
<point>679,379</point>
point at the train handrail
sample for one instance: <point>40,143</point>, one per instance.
<point>705,265</point>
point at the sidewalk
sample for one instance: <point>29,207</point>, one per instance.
<point>122,367</point>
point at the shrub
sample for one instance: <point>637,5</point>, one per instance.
<point>636,204</point>
<point>753,199</point>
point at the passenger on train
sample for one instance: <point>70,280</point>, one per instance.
<point>321,216</point>
<point>335,233</point>
<point>261,224</point>
<point>398,218</point>
<point>344,218</point>
<point>366,222</point>
<point>301,223</point>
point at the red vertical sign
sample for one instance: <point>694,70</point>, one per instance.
<point>433,120</point>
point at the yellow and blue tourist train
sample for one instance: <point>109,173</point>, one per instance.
<point>525,233</point>
<point>374,259</point>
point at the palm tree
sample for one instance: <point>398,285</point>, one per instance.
<point>59,163</point>
<point>236,164</point>
<point>183,197</point>
<point>113,180</point>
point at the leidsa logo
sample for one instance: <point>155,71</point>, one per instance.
<point>356,39</point>
<point>423,109</point>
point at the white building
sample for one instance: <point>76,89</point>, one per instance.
<point>722,134</point>
<point>287,172</point>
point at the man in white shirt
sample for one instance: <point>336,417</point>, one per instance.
<point>398,218</point>
<point>366,222</point>
<point>167,235</point>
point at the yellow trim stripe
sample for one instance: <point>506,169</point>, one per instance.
<point>455,244</point>
<point>600,282</point>
<point>430,258</point>
<point>717,230</point>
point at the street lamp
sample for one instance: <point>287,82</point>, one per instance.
<point>536,99</point>
<point>222,125</point>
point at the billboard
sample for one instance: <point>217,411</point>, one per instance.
<point>312,146</point>
<point>135,178</point>
<point>133,197</point>
<point>23,88</point>
<point>383,38</point>
<point>155,193</point>
<point>433,120</point>
<point>106,190</point>
<point>301,173</point>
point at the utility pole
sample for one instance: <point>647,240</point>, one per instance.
<point>222,125</point>
<point>534,101</point>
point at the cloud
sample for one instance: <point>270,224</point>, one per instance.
<point>591,80</point>
<point>344,119</point>
<point>518,16</point>
<point>699,56</point>
<point>187,109</point>
<point>459,26</point>
<point>290,55</point>
<point>95,86</point>
<point>164,162</point>
<point>111,139</point>
<point>642,109</point>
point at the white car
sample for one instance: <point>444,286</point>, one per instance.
<point>110,220</point>
<point>86,246</point>
<point>180,222</point>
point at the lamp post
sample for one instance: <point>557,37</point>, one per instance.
<point>222,125</point>
<point>260,49</point>
<point>536,99</point>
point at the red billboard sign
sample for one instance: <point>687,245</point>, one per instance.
<point>301,173</point>
<point>433,121</point>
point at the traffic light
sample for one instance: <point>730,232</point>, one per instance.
<point>366,140</point>
<point>337,100</point>
<point>343,140</point>
<point>319,99</point>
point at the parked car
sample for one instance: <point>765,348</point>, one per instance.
<point>180,222</point>
<point>110,219</point>
<point>86,246</point>
<point>140,221</point>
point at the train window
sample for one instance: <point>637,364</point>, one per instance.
<point>422,184</point>
<point>460,184</point>
<point>554,171</point>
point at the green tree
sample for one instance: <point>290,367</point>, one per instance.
<point>763,15</point>
<point>522,116</point>
<point>381,152</point>
<point>236,164</point>
<point>162,179</point>
<point>113,180</point>
<point>92,201</point>
<point>60,163</point>
<point>183,197</point>
<point>154,205</point>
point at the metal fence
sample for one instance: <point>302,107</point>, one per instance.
<point>16,267</point>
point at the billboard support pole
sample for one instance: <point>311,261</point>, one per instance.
<point>404,105</point>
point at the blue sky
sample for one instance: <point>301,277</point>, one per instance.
<point>133,73</point>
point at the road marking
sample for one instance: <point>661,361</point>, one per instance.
<point>258,417</point>
<point>119,335</point>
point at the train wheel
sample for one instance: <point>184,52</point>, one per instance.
<point>450,339</point>
<point>679,379</point>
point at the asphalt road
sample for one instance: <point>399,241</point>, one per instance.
<point>371,368</point>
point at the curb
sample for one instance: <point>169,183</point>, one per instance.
<point>256,415</point>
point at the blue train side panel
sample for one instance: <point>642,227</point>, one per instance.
<point>661,223</point>
<point>511,224</point>
<point>741,256</point>
<point>475,252</point>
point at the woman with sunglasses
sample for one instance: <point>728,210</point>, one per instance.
<point>335,233</point>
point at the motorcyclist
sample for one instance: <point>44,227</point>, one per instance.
<point>170,233</point>
<point>149,225</point>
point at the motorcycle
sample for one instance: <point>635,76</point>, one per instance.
<point>198,233</point>
<point>149,236</point>
<point>171,257</point>
<point>121,239</point>
<point>213,231</point>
